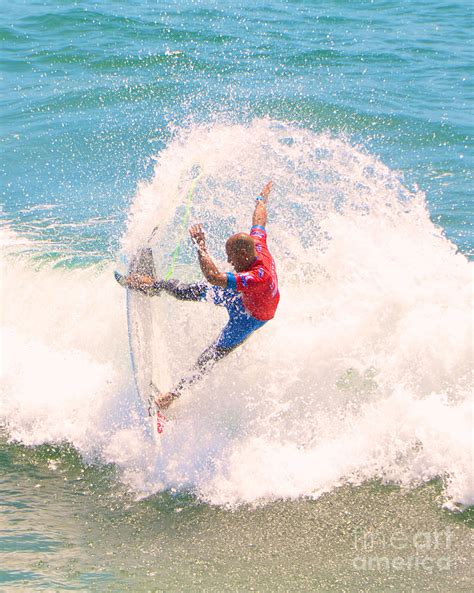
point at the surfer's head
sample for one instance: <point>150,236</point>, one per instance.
<point>240,250</point>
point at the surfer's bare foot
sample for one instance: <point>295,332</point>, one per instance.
<point>139,282</point>
<point>145,284</point>
<point>163,400</point>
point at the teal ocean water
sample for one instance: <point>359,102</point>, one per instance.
<point>334,451</point>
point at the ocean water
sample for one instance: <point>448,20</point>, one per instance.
<point>333,452</point>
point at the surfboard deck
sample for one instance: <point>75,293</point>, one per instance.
<point>140,337</point>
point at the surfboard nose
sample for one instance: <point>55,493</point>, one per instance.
<point>142,263</point>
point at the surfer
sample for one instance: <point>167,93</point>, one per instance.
<point>250,295</point>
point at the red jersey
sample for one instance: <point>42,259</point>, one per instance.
<point>258,284</point>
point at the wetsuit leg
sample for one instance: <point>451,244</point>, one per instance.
<point>182,292</point>
<point>231,337</point>
<point>204,364</point>
<point>197,291</point>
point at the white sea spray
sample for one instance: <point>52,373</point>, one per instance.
<point>363,374</point>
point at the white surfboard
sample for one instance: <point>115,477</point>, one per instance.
<point>141,339</point>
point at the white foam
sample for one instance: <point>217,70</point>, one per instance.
<point>365,373</point>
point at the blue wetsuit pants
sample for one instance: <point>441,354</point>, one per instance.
<point>239,327</point>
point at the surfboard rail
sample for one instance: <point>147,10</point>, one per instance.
<point>140,337</point>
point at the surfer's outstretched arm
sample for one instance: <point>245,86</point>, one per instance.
<point>259,217</point>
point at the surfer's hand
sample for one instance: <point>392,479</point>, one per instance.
<point>198,237</point>
<point>164,400</point>
<point>266,191</point>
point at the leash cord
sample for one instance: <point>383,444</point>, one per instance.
<point>184,224</point>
